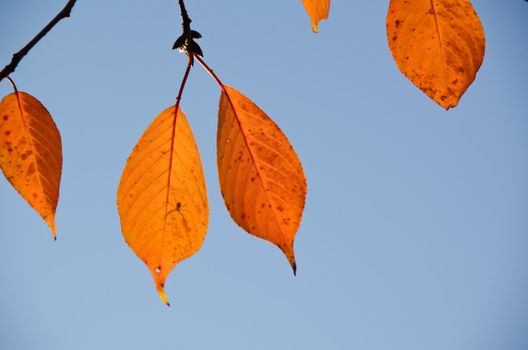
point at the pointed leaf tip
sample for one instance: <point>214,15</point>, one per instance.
<point>438,45</point>
<point>31,153</point>
<point>318,10</point>
<point>54,231</point>
<point>261,177</point>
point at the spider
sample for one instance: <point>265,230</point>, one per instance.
<point>178,209</point>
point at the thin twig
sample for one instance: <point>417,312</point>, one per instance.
<point>17,57</point>
<point>186,21</point>
<point>211,73</point>
<point>185,42</point>
<point>12,84</point>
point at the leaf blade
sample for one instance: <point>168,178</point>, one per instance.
<point>438,45</point>
<point>261,177</point>
<point>164,221</point>
<point>31,153</point>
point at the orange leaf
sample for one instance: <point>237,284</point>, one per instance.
<point>437,44</point>
<point>317,10</point>
<point>31,153</point>
<point>162,200</point>
<point>261,178</point>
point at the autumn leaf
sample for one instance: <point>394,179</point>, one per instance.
<point>261,178</point>
<point>31,153</point>
<point>317,10</point>
<point>162,200</point>
<point>437,44</point>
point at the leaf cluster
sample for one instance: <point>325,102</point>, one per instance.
<point>162,199</point>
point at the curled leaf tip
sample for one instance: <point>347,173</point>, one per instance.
<point>318,10</point>
<point>162,295</point>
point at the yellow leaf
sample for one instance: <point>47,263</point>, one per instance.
<point>261,178</point>
<point>317,10</point>
<point>437,44</point>
<point>162,200</point>
<point>31,153</point>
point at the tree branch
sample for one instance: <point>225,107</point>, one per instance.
<point>186,21</point>
<point>185,43</point>
<point>17,57</point>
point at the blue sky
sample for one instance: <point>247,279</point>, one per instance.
<point>415,230</point>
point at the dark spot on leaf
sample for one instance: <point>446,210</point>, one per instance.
<point>25,155</point>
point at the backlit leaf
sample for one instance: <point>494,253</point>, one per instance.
<point>437,44</point>
<point>317,10</point>
<point>162,200</point>
<point>31,153</point>
<point>261,178</point>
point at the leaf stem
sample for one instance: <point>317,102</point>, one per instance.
<point>217,79</point>
<point>12,84</point>
<point>17,57</point>
<point>176,108</point>
<point>211,72</point>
